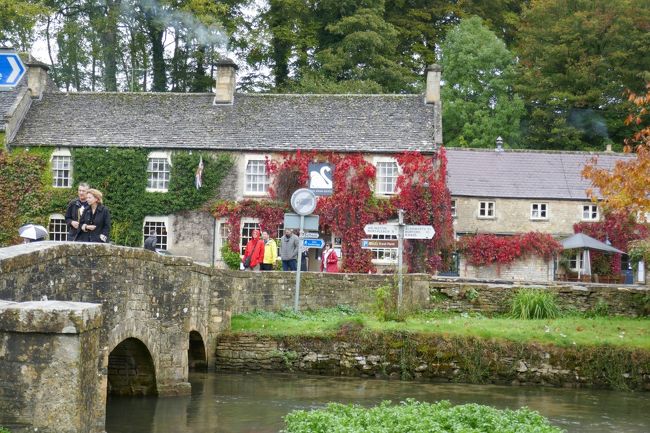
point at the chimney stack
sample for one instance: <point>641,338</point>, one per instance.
<point>432,94</point>
<point>36,77</point>
<point>224,89</point>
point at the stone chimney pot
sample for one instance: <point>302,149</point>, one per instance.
<point>224,89</point>
<point>432,93</point>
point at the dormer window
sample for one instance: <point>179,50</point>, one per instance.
<point>159,166</point>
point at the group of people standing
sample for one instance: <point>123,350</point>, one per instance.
<point>87,218</point>
<point>261,253</point>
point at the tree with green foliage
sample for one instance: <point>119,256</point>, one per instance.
<point>478,100</point>
<point>17,21</point>
<point>356,52</point>
<point>577,58</point>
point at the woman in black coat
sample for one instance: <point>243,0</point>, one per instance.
<point>96,219</point>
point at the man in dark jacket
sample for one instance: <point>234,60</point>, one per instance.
<point>75,210</point>
<point>150,241</point>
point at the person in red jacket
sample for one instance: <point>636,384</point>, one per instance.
<point>330,261</point>
<point>254,252</point>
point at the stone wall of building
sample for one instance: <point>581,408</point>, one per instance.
<point>531,269</point>
<point>437,358</point>
<point>49,379</point>
<point>514,216</point>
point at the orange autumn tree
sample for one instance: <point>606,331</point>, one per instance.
<point>627,185</point>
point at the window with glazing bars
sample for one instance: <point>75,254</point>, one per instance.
<point>387,173</point>
<point>257,180</point>
<point>158,174</point>
<point>61,171</point>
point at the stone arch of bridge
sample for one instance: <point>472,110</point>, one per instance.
<point>131,369</point>
<point>196,353</point>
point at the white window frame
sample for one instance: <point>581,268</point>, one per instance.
<point>159,219</point>
<point>575,262</point>
<point>377,160</point>
<point>488,208</point>
<point>388,255</point>
<point>539,211</point>
<point>588,210</point>
<point>59,221</point>
<point>221,240</point>
<point>61,153</point>
<point>384,256</point>
<point>454,209</point>
<point>267,184</point>
<point>246,222</point>
<point>159,155</point>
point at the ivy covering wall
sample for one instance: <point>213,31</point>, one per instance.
<point>26,194</point>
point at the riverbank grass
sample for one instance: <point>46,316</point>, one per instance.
<point>417,417</point>
<point>563,331</point>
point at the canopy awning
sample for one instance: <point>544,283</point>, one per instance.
<point>581,240</point>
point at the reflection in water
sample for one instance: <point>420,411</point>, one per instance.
<point>246,403</point>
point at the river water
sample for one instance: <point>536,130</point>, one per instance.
<point>247,403</point>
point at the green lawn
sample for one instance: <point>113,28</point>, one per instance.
<point>565,331</point>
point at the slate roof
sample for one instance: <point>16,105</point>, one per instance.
<point>8,98</point>
<point>581,240</point>
<point>255,122</point>
<point>521,174</point>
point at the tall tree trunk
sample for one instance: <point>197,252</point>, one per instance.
<point>107,24</point>
<point>49,53</point>
<point>156,33</point>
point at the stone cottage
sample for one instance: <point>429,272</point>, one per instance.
<point>250,127</point>
<point>493,191</point>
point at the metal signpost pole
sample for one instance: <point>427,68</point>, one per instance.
<point>300,238</point>
<point>400,251</point>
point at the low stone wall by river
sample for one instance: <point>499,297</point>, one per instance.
<point>437,358</point>
<point>274,291</point>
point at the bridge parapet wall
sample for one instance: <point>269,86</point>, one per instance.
<point>49,353</point>
<point>155,299</point>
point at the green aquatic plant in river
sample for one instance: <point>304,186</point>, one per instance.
<point>417,417</point>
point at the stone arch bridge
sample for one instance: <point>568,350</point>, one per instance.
<point>159,317</point>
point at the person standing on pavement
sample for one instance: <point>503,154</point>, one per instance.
<point>289,246</point>
<point>270,252</point>
<point>254,252</point>
<point>96,219</point>
<point>330,261</point>
<point>75,211</point>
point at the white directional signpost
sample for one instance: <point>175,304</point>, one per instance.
<point>303,202</point>
<point>11,69</point>
<point>418,232</point>
<point>402,231</point>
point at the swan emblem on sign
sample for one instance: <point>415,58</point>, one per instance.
<point>320,179</point>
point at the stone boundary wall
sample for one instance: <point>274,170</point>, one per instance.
<point>274,291</point>
<point>533,268</point>
<point>437,358</point>
<point>49,381</point>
